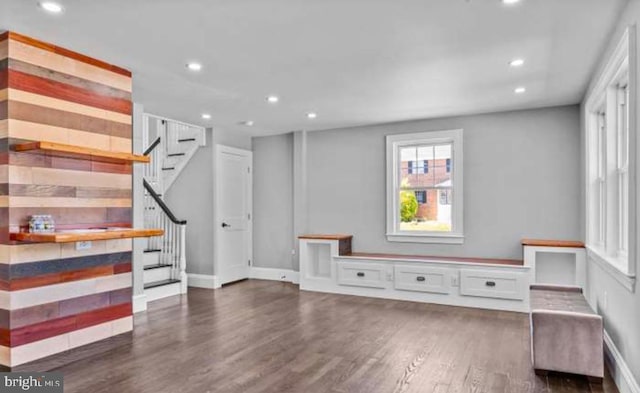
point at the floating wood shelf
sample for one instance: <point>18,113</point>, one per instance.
<point>84,235</point>
<point>72,151</point>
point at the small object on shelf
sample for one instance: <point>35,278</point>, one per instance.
<point>42,223</point>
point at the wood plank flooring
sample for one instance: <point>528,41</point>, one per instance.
<point>264,336</point>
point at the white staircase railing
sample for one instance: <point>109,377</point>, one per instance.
<point>153,170</point>
<point>171,144</point>
<point>178,143</point>
<point>172,245</point>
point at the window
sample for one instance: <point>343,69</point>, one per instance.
<point>415,167</point>
<point>421,196</point>
<point>445,197</point>
<point>622,164</point>
<point>608,124</point>
<point>424,187</point>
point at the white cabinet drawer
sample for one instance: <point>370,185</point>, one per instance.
<point>494,284</point>
<point>372,275</point>
<point>422,278</point>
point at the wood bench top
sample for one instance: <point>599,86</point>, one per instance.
<point>486,261</point>
<point>552,243</point>
<point>326,237</point>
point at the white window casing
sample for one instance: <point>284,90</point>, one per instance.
<point>611,150</point>
<point>394,144</point>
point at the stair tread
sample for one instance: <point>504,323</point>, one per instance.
<point>160,283</point>
<point>157,266</point>
<point>152,250</point>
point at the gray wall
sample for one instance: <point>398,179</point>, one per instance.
<point>521,179</point>
<point>273,201</point>
<point>622,314</point>
<point>191,198</point>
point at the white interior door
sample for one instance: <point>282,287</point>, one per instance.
<point>233,188</point>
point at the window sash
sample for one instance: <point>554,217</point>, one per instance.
<point>622,160</point>
<point>423,170</point>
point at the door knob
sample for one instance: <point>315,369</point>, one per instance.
<point>225,225</point>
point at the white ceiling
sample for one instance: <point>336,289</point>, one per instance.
<point>354,62</point>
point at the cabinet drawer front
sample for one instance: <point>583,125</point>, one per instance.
<point>361,274</point>
<point>494,284</point>
<point>422,278</point>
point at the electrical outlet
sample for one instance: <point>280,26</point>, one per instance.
<point>454,281</point>
<point>83,245</point>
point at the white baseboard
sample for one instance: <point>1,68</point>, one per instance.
<point>618,368</point>
<point>139,303</point>
<point>202,281</point>
<point>266,273</point>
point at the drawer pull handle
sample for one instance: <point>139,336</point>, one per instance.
<point>420,278</point>
<point>360,274</point>
<point>490,283</point>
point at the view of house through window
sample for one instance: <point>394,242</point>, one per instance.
<point>425,188</point>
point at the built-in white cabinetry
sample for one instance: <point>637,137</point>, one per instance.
<point>423,278</point>
<point>464,282</point>
<point>371,275</point>
<point>493,284</point>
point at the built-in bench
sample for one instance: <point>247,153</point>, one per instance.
<point>552,271</point>
<point>566,335</point>
<point>328,264</point>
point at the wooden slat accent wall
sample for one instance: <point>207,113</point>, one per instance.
<point>52,297</point>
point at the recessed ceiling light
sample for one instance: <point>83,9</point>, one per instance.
<point>206,116</point>
<point>520,90</point>
<point>516,63</point>
<point>194,66</point>
<point>248,123</point>
<point>50,6</point>
<point>273,99</point>
<point>311,115</point>
<point>510,1</point>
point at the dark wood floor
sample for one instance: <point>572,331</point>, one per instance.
<point>264,336</point>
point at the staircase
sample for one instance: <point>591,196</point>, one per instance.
<point>171,144</point>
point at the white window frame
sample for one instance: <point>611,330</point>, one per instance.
<point>394,143</point>
<point>610,206</point>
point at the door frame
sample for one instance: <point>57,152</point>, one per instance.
<point>218,151</point>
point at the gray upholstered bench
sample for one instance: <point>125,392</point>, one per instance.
<point>566,335</point>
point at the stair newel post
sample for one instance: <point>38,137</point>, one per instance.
<point>183,258</point>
